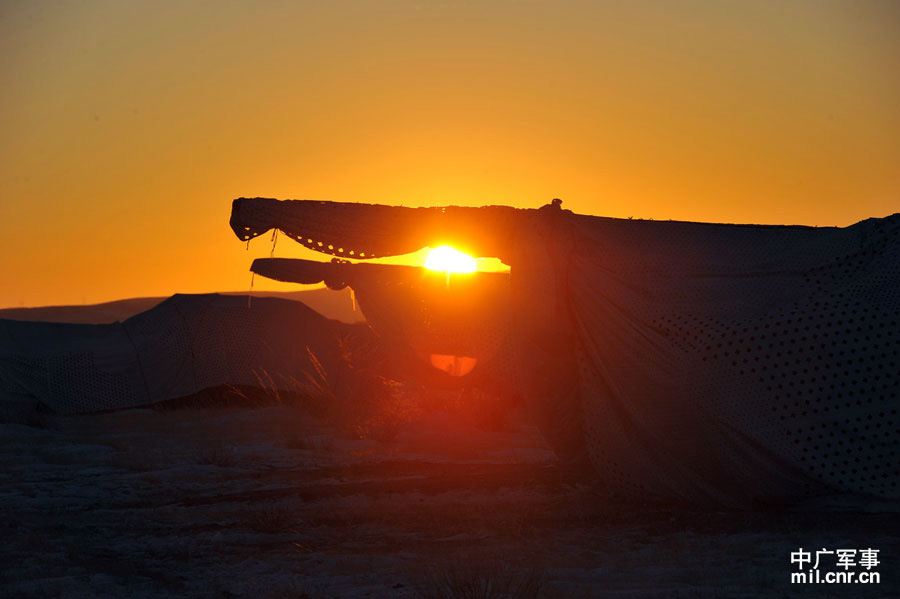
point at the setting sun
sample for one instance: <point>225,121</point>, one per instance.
<point>446,259</point>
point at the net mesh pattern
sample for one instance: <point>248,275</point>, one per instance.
<point>720,364</point>
<point>723,363</point>
<point>363,231</point>
<point>417,311</point>
<point>180,347</point>
<point>405,313</point>
<point>81,384</point>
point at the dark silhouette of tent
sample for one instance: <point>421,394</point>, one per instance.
<point>715,363</point>
<point>182,346</point>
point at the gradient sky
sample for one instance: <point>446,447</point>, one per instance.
<point>126,128</point>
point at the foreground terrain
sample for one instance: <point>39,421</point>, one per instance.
<point>268,502</point>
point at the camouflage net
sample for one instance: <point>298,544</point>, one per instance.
<point>366,231</point>
<point>184,345</point>
<point>718,364</point>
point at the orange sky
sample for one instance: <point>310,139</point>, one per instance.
<point>127,128</point>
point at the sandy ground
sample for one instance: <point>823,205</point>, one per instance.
<point>265,502</point>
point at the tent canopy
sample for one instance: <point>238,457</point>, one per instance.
<point>716,363</point>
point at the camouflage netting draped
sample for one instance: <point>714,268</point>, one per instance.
<point>719,364</point>
<point>722,363</point>
<point>372,231</point>
<point>417,311</point>
<point>184,345</point>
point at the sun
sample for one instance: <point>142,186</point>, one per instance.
<point>446,259</point>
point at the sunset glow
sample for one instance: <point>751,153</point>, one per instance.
<point>447,259</point>
<point>129,127</point>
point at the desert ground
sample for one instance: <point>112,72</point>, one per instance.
<point>271,501</point>
<point>224,496</point>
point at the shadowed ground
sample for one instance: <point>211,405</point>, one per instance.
<point>265,502</point>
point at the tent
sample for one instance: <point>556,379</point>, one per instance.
<point>182,346</point>
<point>713,363</point>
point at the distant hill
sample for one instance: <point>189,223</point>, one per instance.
<point>332,304</point>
